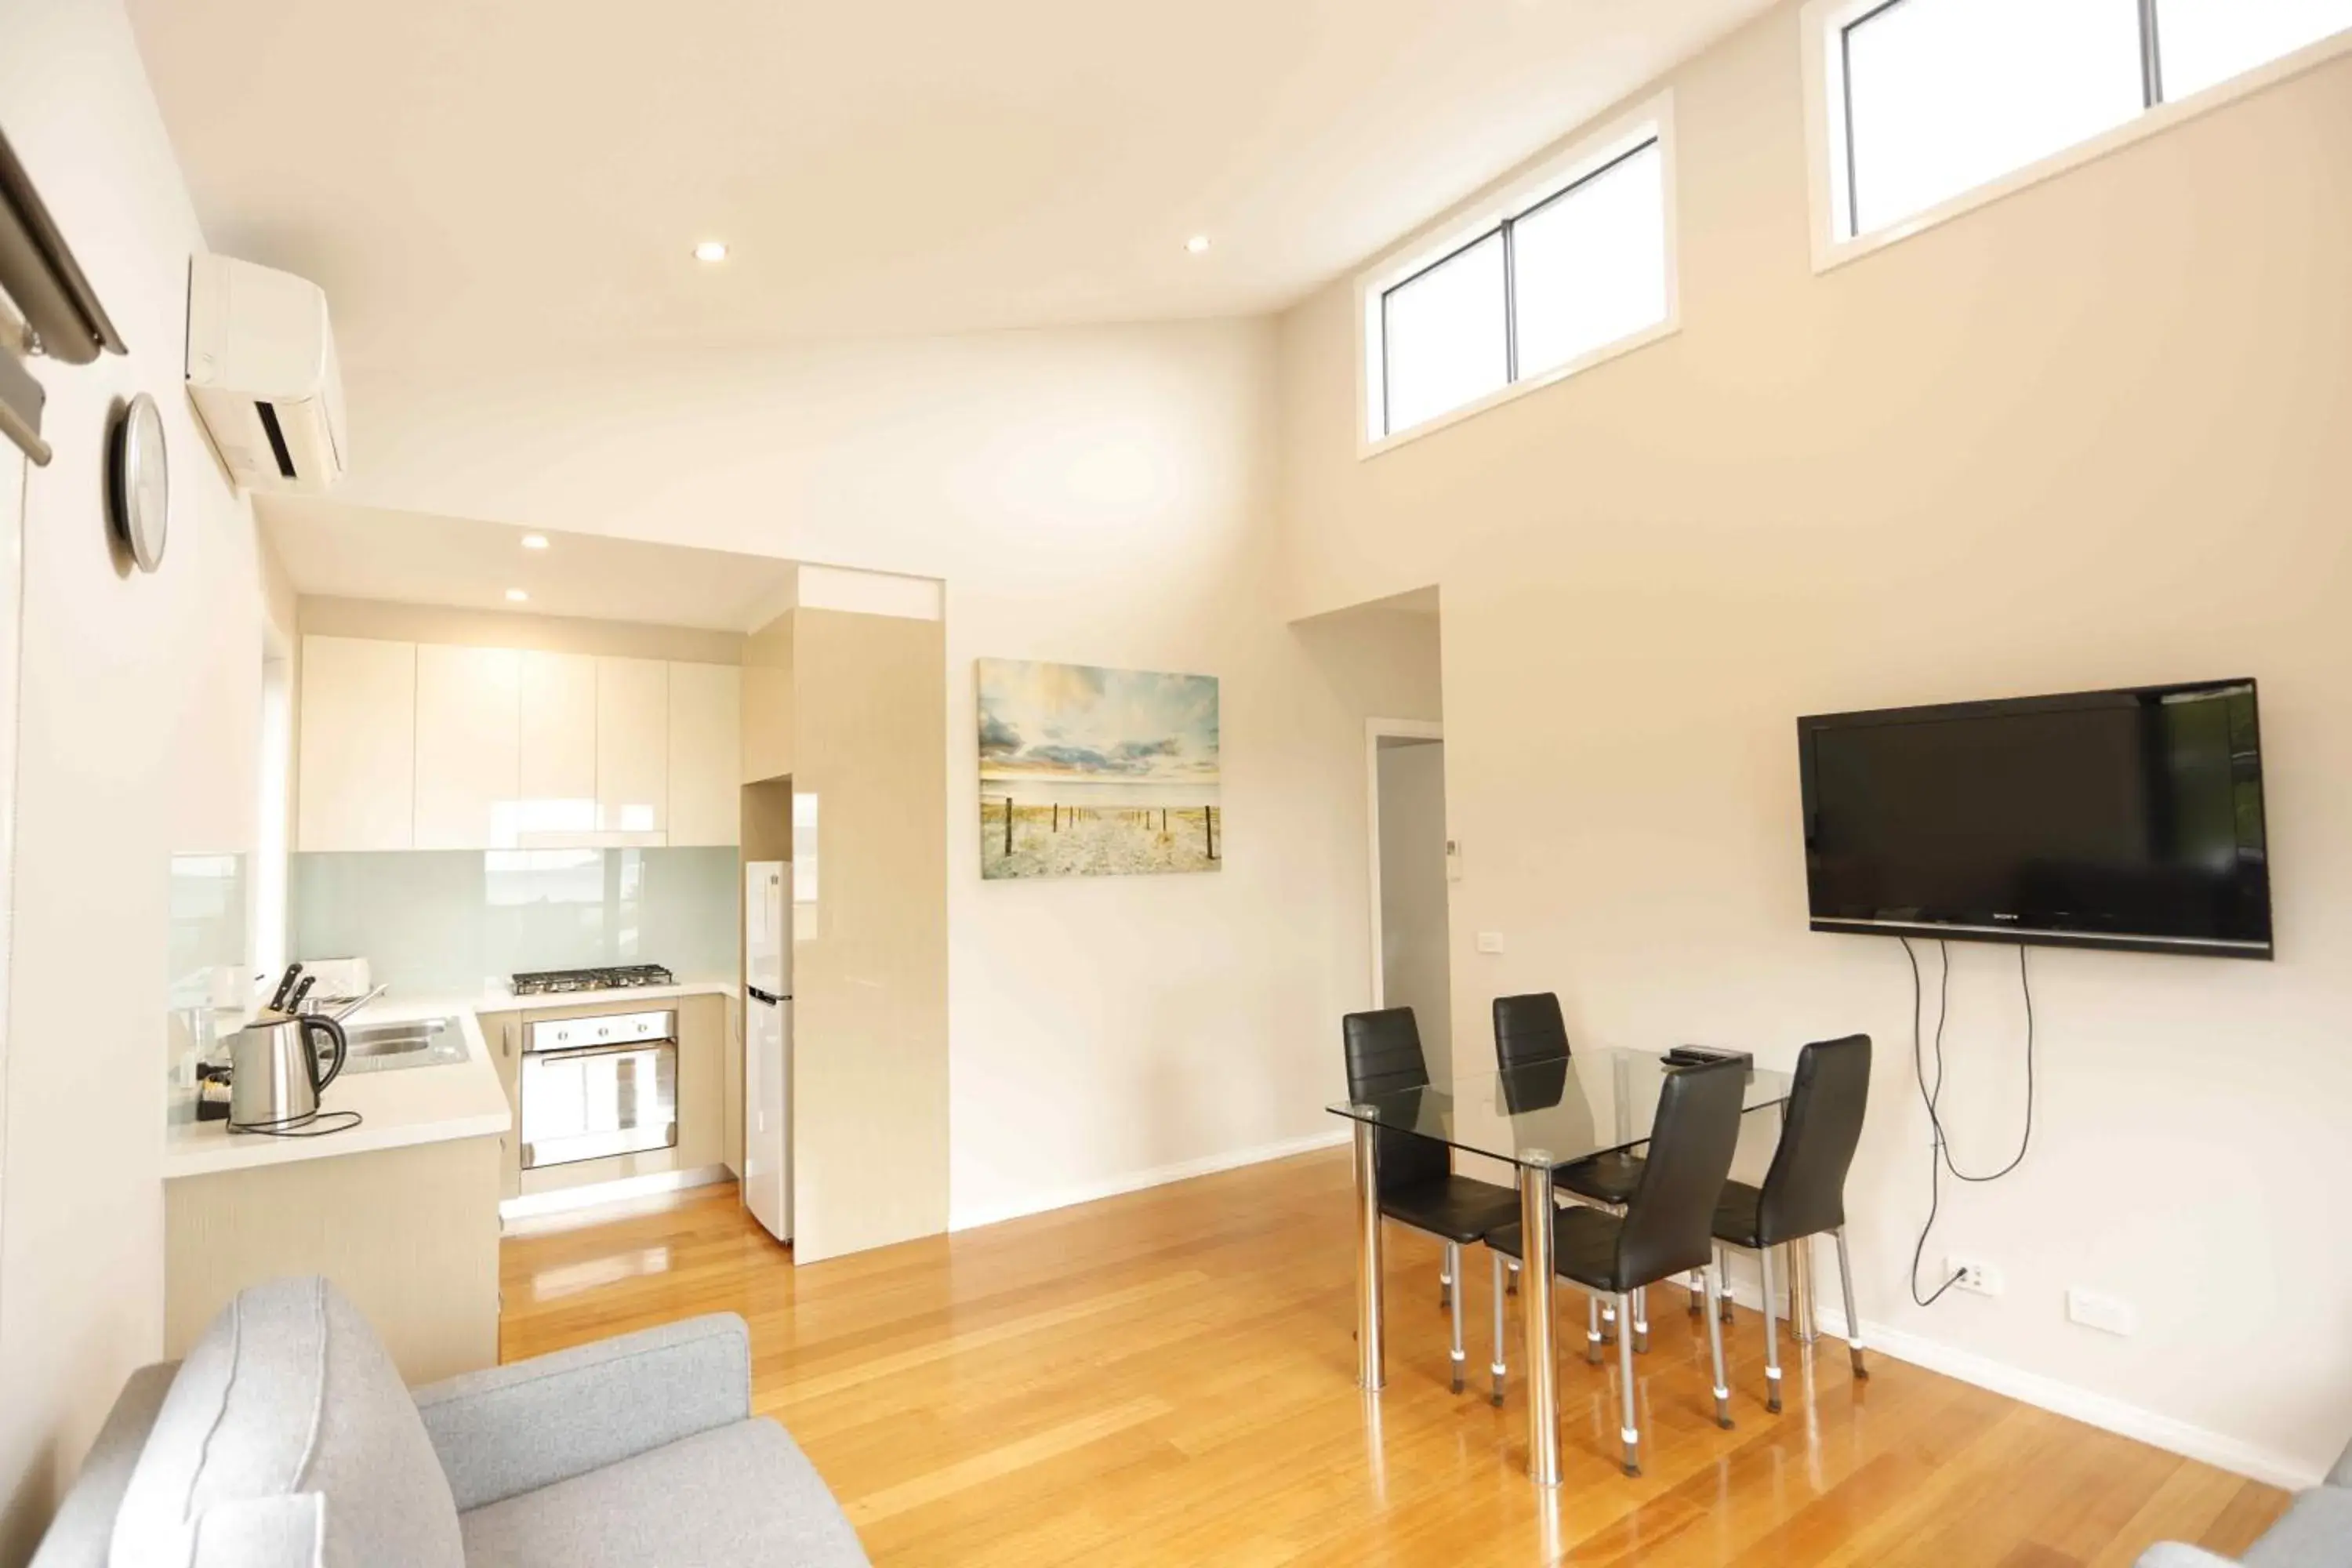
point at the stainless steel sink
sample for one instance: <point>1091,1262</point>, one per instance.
<point>417,1043</point>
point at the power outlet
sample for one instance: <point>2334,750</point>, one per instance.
<point>1490,941</point>
<point>1973,1273</point>
<point>2105,1313</point>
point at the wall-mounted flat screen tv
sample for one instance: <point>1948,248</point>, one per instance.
<point>2129,819</point>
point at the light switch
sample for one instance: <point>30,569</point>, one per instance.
<point>1454,859</point>
<point>1490,941</point>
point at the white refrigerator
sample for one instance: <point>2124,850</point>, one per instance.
<point>768,1045</point>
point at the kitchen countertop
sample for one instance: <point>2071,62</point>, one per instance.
<point>410,1106</point>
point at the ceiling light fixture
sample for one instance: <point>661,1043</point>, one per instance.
<point>710,250</point>
<point>534,542</point>
<point>1198,244</point>
<point>516,595</point>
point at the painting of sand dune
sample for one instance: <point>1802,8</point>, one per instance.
<point>1086,772</point>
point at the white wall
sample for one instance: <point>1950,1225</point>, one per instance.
<point>2093,434</point>
<point>1413,950</point>
<point>139,703</point>
<point>1098,495</point>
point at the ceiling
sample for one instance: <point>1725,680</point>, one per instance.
<point>362,553</point>
<point>468,179</point>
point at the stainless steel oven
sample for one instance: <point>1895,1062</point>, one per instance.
<point>597,1087</point>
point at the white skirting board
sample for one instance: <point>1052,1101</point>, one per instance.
<point>2107,1414</point>
<point>971,1217</point>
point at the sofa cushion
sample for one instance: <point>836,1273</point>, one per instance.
<point>288,1392</point>
<point>2316,1531</point>
<point>742,1496</point>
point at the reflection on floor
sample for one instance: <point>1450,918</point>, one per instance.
<point>1167,1378</point>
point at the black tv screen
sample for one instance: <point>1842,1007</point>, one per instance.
<point>2128,819</point>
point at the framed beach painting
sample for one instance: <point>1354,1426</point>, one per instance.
<point>1086,772</point>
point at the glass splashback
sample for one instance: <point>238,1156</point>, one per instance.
<point>442,922</point>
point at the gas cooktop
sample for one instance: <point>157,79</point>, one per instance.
<point>553,981</point>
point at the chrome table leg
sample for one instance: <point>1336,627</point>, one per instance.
<point>1772,1334</point>
<point>1371,1362</point>
<point>1629,1425</point>
<point>1453,1301</point>
<point>1535,1304</point>
<point>1500,1273</point>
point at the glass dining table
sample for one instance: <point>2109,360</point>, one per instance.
<point>1538,1118</point>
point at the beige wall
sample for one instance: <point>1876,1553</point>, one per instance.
<point>140,713</point>
<point>2091,435</point>
<point>768,704</point>
<point>1093,495</point>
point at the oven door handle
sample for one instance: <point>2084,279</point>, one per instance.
<point>576,1052</point>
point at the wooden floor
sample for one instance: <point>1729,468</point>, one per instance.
<point>1169,1378</point>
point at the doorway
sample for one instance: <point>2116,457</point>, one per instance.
<point>1410,949</point>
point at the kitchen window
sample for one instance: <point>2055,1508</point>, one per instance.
<point>1925,109</point>
<point>1571,266</point>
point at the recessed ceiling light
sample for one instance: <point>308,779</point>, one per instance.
<point>516,595</point>
<point>712,250</point>
<point>1197,244</point>
<point>534,542</point>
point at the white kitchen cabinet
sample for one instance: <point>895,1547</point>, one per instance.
<point>469,746</point>
<point>705,750</point>
<point>358,745</point>
<point>558,746</point>
<point>631,745</point>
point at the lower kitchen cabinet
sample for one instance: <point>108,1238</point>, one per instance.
<point>411,1235</point>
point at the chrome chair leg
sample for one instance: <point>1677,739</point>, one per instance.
<point>1771,1335</point>
<point>1642,1318</point>
<point>1723,1280</point>
<point>1592,1331</point>
<point>1630,1425</point>
<point>1609,1319</point>
<point>1453,1301</point>
<point>1446,1270</point>
<point>1853,1318</point>
<point>1695,1284</point>
<point>1715,1348</point>
<point>1501,1273</point>
<point>1515,1276</point>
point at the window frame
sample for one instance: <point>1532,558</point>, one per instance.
<point>1586,155</point>
<point>1822,24</point>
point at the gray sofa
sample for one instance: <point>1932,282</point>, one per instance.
<point>2316,1531</point>
<point>287,1441</point>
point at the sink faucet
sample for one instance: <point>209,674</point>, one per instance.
<point>348,1008</point>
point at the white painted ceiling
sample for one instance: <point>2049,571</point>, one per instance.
<point>363,553</point>
<point>468,179</point>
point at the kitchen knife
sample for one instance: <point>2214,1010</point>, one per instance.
<point>277,999</point>
<point>294,1003</point>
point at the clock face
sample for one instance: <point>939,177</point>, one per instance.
<point>139,488</point>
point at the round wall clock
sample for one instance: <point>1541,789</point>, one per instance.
<point>139,489</point>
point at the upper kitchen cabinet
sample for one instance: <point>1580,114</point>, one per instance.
<point>558,746</point>
<point>706,748</point>
<point>358,747</point>
<point>632,746</point>
<point>469,755</point>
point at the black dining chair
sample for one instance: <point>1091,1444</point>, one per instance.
<point>1804,1191</point>
<point>1418,1188</point>
<point>1530,1037</point>
<point>1663,1230</point>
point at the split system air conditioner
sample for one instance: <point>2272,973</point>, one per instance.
<point>262,370</point>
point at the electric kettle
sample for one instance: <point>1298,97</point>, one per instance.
<point>274,1079</point>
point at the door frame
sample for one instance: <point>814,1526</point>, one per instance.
<point>1375,730</point>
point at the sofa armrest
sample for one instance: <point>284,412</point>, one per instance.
<point>83,1530</point>
<point>2173,1554</point>
<point>513,1429</point>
